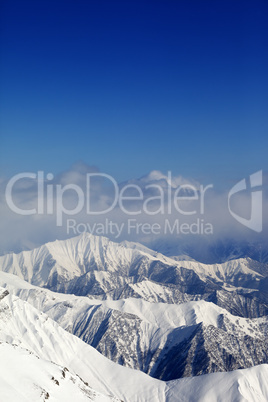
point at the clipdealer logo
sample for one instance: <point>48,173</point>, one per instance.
<point>185,200</point>
<point>255,220</point>
<point>50,197</point>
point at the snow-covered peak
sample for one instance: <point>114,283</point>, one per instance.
<point>156,176</point>
<point>74,257</point>
<point>161,315</point>
<point>98,265</point>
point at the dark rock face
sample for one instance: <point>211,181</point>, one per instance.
<point>210,350</point>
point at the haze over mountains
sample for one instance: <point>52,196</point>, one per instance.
<point>228,239</point>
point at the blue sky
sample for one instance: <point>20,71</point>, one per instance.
<point>132,86</point>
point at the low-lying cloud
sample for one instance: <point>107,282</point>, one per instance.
<point>156,209</point>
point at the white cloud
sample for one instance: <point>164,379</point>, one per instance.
<point>20,231</point>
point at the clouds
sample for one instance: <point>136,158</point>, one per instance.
<point>153,208</point>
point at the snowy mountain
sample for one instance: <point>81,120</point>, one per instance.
<point>169,318</point>
<point>127,316</point>
<point>164,340</point>
<point>241,385</point>
<point>28,375</point>
<point>94,266</point>
<point>23,325</point>
<point>25,377</point>
<point>57,265</point>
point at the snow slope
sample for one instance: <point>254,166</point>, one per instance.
<point>23,325</point>
<point>248,385</point>
<point>147,336</point>
<point>158,314</point>
<point>25,377</point>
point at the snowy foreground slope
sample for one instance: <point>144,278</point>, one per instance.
<point>27,376</point>
<point>23,325</point>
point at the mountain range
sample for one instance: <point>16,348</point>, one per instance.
<point>135,324</point>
